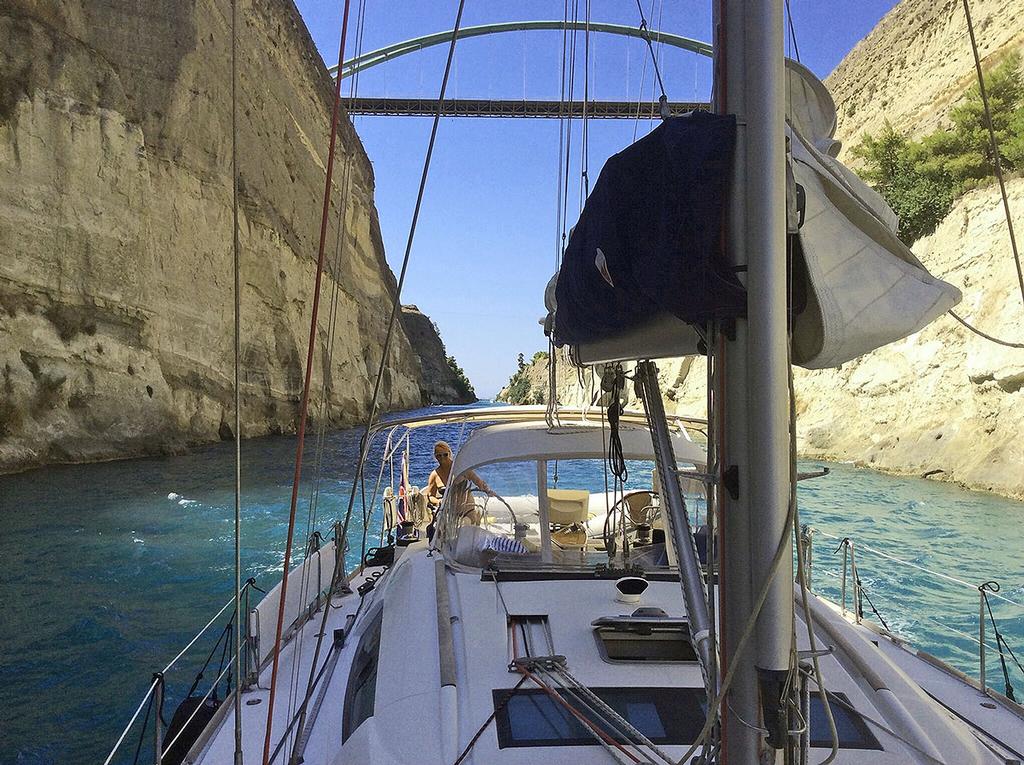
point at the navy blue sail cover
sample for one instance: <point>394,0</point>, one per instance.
<point>649,238</point>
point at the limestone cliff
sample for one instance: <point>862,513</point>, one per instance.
<point>440,382</point>
<point>943,403</point>
<point>916,63</point>
<point>115,231</point>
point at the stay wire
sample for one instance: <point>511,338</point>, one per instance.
<point>237,265</point>
<point>650,47</point>
<point>323,408</point>
<point>568,137</point>
<point>304,405</point>
<point>324,403</point>
<point>985,335</point>
<point>585,132</point>
<point>994,145</point>
<point>640,92</point>
<point>396,303</point>
<point>792,32</point>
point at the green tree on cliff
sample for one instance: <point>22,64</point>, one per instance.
<point>922,179</point>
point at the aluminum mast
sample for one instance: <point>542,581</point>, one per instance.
<point>749,68</point>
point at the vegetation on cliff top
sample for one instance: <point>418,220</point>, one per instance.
<point>519,389</point>
<point>921,179</point>
<point>462,384</point>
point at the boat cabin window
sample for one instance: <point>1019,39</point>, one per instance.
<point>530,717</point>
<point>671,716</point>
<point>853,731</point>
<point>361,690</point>
<point>530,513</point>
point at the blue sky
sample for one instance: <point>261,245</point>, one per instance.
<point>486,241</point>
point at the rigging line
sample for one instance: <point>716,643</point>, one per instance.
<point>650,46</point>
<point>303,407</point>
<point>568,137</point>
<point>236,258</point>
<point>881,726</point>
<point>396,304</point>
<point>142,731</point>
<point>336,288</point>
<point>323,412</point>
<point>323,405</point>
<point>149,692</point>
<point>792,32</point>
<point>714,708</point>
<point>985,589</point>
<point>609,743</point>
<point>994,144</point>
<point>585,132</point>
<point>559,228</point>
<point>640,92</point>
<point>323,416</point>
<point>497,710</point>
<point>801,568</point>
<point>985,335</point>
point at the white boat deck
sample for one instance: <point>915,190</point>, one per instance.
<point>417,720</point>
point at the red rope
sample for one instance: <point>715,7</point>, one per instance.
<point>303,408</point>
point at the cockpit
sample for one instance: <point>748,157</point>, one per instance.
<point>529,497</point>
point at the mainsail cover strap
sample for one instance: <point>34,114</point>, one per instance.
<point>648,240</point>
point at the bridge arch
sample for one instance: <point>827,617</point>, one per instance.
<point>387,53</point>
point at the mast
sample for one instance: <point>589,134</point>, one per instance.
<point>750,77</point>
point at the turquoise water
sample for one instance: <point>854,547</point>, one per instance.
<point>108,569</point>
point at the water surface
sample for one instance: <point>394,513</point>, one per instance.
<point>108,569</point>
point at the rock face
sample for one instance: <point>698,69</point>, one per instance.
<point>439,383</point>
<point>116,277</point>
<point>944,403</point>
<point>917,62</point>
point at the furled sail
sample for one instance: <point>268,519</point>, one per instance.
<point>631,285</point>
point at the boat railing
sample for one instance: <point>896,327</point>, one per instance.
<point>153,699</point>
<point>852,594</point>
<point>315,573</point>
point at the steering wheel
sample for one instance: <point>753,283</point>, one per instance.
<point>621,506</point>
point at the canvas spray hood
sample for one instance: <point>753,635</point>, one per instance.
<point>644,261</point>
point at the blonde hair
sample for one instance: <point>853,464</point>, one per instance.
<point>445,445</point>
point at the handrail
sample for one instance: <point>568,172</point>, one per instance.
<point>861,546</point>
<point>181,653</point>
<point>131,722</point>
<point>216,682</point>
<point>982,590</point>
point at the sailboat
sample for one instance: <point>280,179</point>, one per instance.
<point>565,602</point>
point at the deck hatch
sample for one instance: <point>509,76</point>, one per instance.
<point>530,717</point>
<point>644,639</point>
